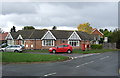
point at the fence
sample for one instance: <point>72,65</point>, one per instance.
<point>109,45</point>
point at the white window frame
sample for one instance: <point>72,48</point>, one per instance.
<point>77,41</point>
<point>22,42</point>
<point>44,43</point>
<point>10,42</point>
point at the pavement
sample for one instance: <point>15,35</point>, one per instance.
<point>100,64</point>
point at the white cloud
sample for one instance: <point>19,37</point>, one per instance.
<point>63,15</point>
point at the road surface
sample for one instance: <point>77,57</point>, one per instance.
<point>100,64</point>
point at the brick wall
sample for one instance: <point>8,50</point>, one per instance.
<point>87,44</point>
<point>18,42</point>
<point>37,44</point>
<point>33,44</point>
<point>58,42</point>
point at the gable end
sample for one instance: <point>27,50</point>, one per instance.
<point>74,36</point>
<point>48,35</point>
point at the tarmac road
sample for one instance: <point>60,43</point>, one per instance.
<point>100,64</point>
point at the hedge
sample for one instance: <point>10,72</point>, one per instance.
<point>96,46</point>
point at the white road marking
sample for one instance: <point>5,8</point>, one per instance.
<point>81,56</point>
<point>104,57</point>
<point>49,74</point>
<point>67,61</point>
<point>84,55</point>
<point>84,64</point>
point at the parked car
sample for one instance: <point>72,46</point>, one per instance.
<point>3,45</point>
<point>61,48</point>
<point>12,48</point>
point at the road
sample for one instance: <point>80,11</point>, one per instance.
<point>101,64</point>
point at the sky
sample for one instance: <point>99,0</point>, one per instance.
<point>63,15</point>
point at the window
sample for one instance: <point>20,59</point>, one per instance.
<point>60,46</point>
<point>10,42</point>
<point>73,42</point>
<point>22,42</point>
<point>48,43</point>
<point>65,45</point>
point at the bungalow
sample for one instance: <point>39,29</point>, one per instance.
<point>44,39</point>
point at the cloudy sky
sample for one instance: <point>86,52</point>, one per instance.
<point>64,15</point>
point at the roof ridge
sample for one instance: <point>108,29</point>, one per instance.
<point>62,30</point>
<point>32,33</point>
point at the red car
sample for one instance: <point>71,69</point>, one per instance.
<point>61,48</point>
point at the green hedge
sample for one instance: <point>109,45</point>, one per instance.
<point>4,46</point>
<point>96,46</point>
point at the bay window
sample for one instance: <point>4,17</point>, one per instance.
<point>48,43</point>
<point>10,42</point>
<point>73,42</point>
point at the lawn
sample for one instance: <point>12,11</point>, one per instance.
<point>78,51</point>
<point>25,57</point>
<point>95,51</point>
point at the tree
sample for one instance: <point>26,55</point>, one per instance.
<point>101,30</point>
<point>115,37</point>
<point>28,28</point>
<point>13,29</point>
<point>54,28</point>
<point>85,28</point>
<point>107,33</point>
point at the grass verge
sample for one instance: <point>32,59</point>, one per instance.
<point>95,51</point>
<point>24,57</point>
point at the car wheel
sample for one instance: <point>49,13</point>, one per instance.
<point>54,51</point>
<point>16,51</point>
<point>69,51</point>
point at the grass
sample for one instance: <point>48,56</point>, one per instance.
<point>11,57</point>
<point>25,57</point>
<point>78,51</point>
<point>95,51</point>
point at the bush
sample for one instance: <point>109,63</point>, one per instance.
<point>4,46</point>
<point>96,46</point>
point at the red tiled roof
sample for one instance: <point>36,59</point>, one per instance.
<point>98,32</point>
<point>3,36</point>
<point>94,29</point>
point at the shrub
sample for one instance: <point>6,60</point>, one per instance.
<point>4,46</point>
<point>96,46</point>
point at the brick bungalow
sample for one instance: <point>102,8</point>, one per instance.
<point>43,39</point>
